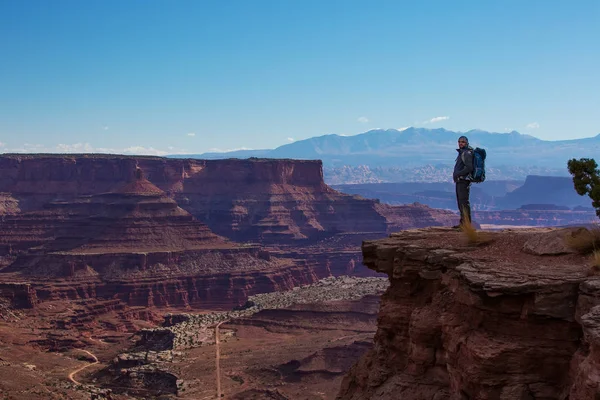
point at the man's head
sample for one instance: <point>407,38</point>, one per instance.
<point>463,142</point>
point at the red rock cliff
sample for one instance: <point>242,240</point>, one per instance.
<point>135,244</point>
<point>489,322</point>
<point>143,228</point>
<point>84,174</point>
<point>245,200</point>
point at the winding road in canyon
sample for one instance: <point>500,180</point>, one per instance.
<point>72,374</point>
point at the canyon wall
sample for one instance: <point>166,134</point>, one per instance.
<point>515,317</point>
<point>272,201</point>
<point>171,287</point>
<point>159,232</point>
<point>20,295</point>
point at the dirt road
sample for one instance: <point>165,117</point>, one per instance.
<point>218,359</point>
<point>72,374</point>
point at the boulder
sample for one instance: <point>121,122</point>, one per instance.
<point>550,243</point>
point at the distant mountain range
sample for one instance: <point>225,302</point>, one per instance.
<point>397,155</point>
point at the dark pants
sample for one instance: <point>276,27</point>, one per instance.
<point>463,188</point>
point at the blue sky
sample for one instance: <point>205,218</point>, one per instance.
<point>157,77</point>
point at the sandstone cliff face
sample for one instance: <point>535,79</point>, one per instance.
<point>245,200</point>
<point>271,201</point>
<point>157,232</point>
<point>107,223</point>
<point>196,279</point>
<point>489,322</point>
<point>136,245</point>
<point>35,180</point>
<point>136,219</point>
<point>20,295</point>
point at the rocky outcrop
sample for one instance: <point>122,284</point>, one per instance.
<point>330,361</point>
<point>552,242</point>
<point>19,295</point>
<point>8,204</point>
<point>479,322</point>
<point>585,367</point>
<point>145,380</point>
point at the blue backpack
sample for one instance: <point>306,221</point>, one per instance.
<point>478,174</point>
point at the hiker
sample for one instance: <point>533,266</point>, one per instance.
<point>461,177</point>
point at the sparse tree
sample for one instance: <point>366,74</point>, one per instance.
<point>586,179</point>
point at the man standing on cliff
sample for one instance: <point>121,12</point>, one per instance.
<point>462,170</point>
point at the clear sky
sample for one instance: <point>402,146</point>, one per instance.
<point>156,77</point>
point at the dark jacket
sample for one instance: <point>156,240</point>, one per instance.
<point>464,164</point>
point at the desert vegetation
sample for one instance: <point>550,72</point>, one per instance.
<point>472,236</point>
<point>584,240</point>
<point>586,180</point>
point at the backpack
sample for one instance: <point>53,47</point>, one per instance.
<point>478,174</point>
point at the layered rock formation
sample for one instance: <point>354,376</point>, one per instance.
<point>481,322</point>
<point>137,245</point>
<point>20,295</point>
<point>245,200</point>
<point>144,229</point>
<point>136,216</point>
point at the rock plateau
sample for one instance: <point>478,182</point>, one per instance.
<point>509,319</point>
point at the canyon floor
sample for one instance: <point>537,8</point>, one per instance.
<point>289,345</point>
<point>288,354</point>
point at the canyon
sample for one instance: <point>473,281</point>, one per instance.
<point>271,201</point>
<point>94,248</point>
<point>182,233</point>
<point>295,344</point>
<point>114,272</point>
